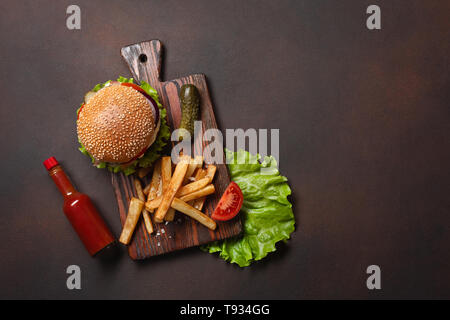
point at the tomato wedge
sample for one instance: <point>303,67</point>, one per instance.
<point>230,203</point>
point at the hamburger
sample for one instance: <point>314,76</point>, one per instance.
<point>121,125</point>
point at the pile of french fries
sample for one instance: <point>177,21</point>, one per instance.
<point>184,189</point>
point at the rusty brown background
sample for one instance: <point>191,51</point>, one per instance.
<point>364,118</point>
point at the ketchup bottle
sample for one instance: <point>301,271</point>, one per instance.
<point>80,211</point>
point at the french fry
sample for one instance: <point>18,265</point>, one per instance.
<point>139,192</point>
<point>201,173</point>
<point>155,203</point>
<point>147,188</point>
<point>155,184</point>
<point>198,203</point>
<point>134,211</point>
<point>142,172</point>
<point>183,207</point>
<point>166,172</point>
<point>159,189</point>
<point>195,163</point>
<point>147,221</point>
<point>194,193</point>
<point>141,196</point>
<point>209,189</point>
<point>192,187</point>
<point>170,215</point>
<point>210,172</point>
<point>166,175</point>
<point>172,189</point>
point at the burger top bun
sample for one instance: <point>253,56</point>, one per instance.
<point>117,124</point>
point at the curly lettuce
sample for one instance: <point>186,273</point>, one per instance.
<point>155,150</point>
<point>267,215</point>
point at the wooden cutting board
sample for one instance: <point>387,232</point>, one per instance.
<point>144,61</point>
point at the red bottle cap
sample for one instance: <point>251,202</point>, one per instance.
<point>50,163</point>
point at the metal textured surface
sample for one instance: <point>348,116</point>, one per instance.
<point>364,126</point>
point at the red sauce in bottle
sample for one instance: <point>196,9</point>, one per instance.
<point>80,211</point>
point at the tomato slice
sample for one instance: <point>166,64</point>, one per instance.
<point>230,203</point>
<point>134,86</point>
<point>81,108</point>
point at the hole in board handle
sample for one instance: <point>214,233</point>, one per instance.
<point>142,58</point>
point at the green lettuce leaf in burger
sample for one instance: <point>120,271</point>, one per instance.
<point>122,126</point>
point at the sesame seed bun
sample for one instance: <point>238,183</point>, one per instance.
<point>118,124</point>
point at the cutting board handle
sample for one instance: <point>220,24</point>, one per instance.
<point>144,61</point>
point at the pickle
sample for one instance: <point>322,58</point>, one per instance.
<point>190,108</point>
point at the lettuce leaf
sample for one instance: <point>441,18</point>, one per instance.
<point>266,213</point>
<point>155,150</point>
